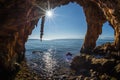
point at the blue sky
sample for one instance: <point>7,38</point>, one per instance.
<point>68,22</point>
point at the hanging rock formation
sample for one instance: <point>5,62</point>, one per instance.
<point>19,17</point>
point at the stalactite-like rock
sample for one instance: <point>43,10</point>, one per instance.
<point>42,27</point>
<point>18,19</point>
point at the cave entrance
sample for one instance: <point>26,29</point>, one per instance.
<point>64,33</point>
<point>67,22</point>
<point>61,34</point>
<point>107,34</point>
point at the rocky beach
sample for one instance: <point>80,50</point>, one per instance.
<point>101,65</point>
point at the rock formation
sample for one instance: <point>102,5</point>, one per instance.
<point>96,68</point>
<point>19,17</point>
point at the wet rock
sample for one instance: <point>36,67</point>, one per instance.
<point>104,48</point>
<point>26,73</point>
<point>108,51</point>
<point>80,65</point>
<point>99,68</point>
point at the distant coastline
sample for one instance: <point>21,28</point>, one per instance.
<point>73,39</point>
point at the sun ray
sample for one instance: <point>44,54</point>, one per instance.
<point>48,5</point>
<point>39,7</point>
<point>49,15</point>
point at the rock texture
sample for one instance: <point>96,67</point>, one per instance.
<point>19,17</point>
<point>16,24</point>
<point>96,68</point>
<point>103,11</point>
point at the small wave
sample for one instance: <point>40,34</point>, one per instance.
<point>48,62</point>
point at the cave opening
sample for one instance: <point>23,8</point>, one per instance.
<point>18,18</point>
<point>67,22</point>
<point>107,34</point>
<point>64,33</point>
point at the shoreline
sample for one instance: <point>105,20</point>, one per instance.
<point>83,67</point>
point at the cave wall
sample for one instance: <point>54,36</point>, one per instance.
<point>19,17</point>
<point>16,23</point>
<point>95,19</point>
<point>111,10</point>
<point>97,13</point>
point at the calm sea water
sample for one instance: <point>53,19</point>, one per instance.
<point>48,58</point>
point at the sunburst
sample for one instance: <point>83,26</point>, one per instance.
<point>48,14</point>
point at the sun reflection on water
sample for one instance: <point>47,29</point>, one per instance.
<point>49,62</point>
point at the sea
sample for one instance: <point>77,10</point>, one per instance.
<point>48,57</point>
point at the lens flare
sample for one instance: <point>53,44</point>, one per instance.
<point>49,13</point>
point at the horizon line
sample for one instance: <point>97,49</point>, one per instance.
<point>67,38</point>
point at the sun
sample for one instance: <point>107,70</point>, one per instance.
<point>49,13</point>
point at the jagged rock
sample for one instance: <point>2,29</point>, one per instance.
<point>117,68</point>
<point>104,65</point>
<point>107,50</point>
<point>93,67</point>
<point>81,65</point>
<point>104,48</point>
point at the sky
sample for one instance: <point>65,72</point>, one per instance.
<point>68,22</point>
